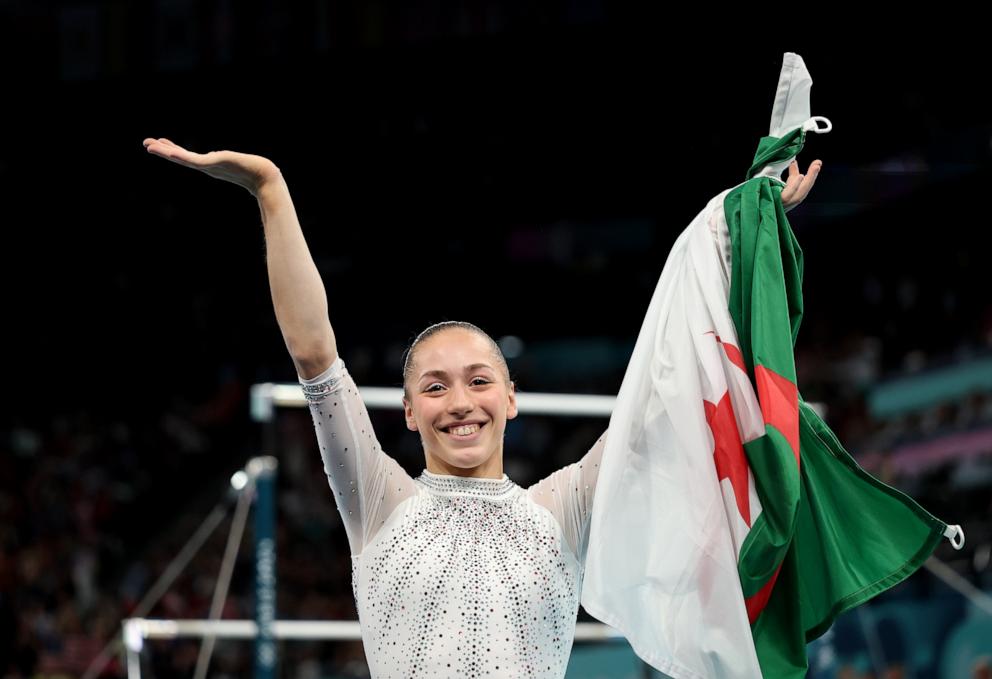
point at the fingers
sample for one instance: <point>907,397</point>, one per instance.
<point>165,148</point>
<point>791,183</point>
<point>794,169</point>
<point>162,151</point>
<point>160,140</point>
<point>163,145</point>
<point>798,185</point>
<point>807,181</point>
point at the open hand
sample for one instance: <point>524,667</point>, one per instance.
<point>245,170</point>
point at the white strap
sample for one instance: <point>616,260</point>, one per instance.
<point>775,170</point>
<point>955,535</point>
<point>812,125</point>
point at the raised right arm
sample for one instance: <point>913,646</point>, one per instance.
<point>367,484</point>
<point>298,294</point>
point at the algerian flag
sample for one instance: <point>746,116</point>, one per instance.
<point>729,526</point>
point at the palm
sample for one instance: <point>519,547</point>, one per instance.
<point>244,169</point>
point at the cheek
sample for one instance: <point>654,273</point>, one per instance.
<point>426,415</point>
<point>499,409</point>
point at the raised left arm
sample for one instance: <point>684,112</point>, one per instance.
<point>568,494</point>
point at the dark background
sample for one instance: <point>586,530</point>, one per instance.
<point>524,166</point>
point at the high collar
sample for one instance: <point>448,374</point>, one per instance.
<point>490,489</point>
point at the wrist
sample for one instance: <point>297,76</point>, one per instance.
<point>270,182</point>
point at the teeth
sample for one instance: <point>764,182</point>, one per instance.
<point>464,431</point>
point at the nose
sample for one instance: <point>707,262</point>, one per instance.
<point>459,400</point>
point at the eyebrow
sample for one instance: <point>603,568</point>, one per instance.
<point>468,368</point>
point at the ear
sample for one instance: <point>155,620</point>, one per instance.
<point>511,411</point>
<point>411,423</point>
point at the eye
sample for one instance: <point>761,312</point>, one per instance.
<point>476,381</point>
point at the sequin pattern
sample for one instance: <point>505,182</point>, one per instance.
<point>453,576</point>
<point>470,581</point>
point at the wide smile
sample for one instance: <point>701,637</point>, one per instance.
<point>473,432</point>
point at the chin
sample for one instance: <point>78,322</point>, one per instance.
<point>465,458</point>
<point>466,461</point>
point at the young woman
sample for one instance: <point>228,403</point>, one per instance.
<point>459,572</point>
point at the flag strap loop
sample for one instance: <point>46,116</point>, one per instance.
<point>955,535</point>
<point>812,125</point>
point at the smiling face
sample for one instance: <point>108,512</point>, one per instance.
<point>459,400</point>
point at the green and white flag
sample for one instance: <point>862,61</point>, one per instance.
<point>729,526</point>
